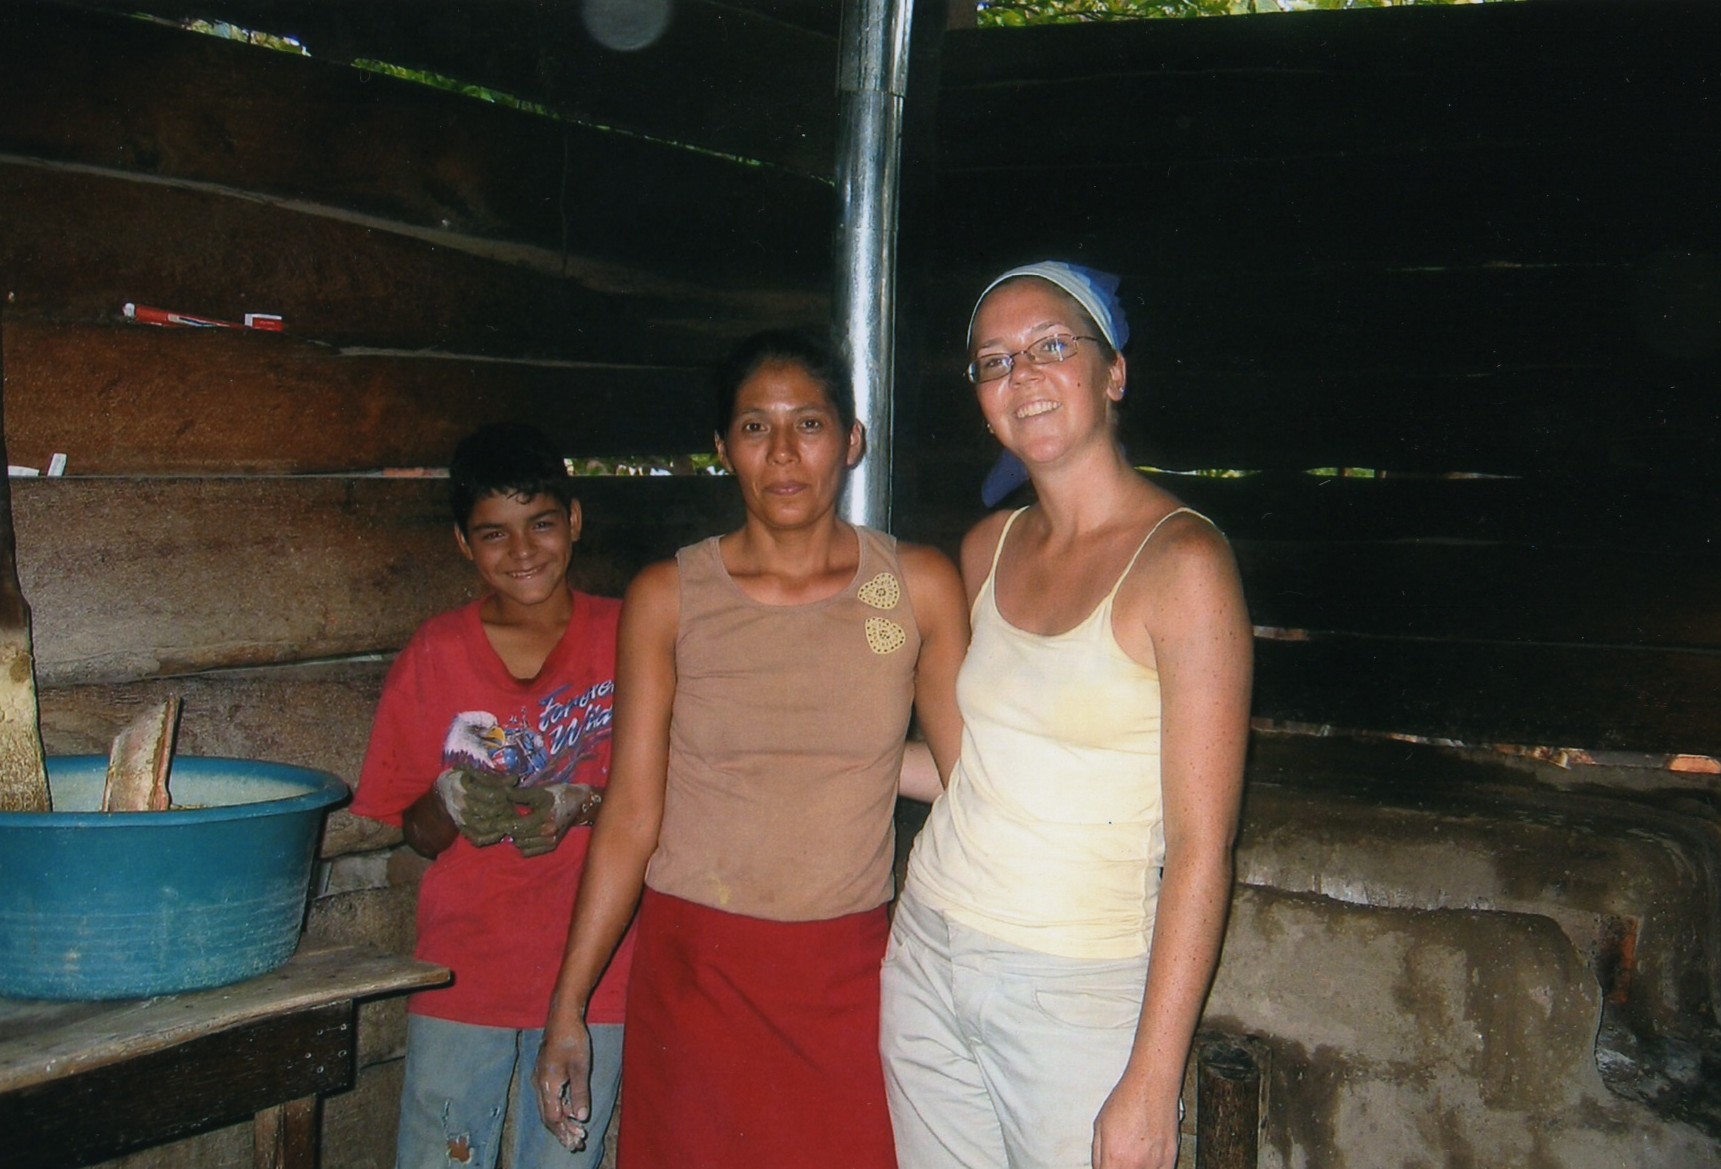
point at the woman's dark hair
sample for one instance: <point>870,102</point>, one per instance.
<point>505,458</point>
<point>799,347</point>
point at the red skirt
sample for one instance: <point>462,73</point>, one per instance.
<point>753,1044</point>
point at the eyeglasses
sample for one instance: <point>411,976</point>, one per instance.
<point>1046,351</point>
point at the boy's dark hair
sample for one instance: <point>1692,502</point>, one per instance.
<point>805,348</point>
<point>505,458</point>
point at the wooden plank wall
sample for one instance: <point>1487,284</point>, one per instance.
<point>234,523</point>
<point>244,520</point>
<point>1431,242</point>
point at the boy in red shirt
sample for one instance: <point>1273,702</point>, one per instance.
<point>490,750</point>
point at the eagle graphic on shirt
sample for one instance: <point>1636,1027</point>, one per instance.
<point>565,737</point>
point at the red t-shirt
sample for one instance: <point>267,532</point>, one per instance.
<point>498,919</point>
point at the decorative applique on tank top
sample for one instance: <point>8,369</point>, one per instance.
<point>786,741</point>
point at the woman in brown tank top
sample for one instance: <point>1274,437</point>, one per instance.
<point>764,687</point>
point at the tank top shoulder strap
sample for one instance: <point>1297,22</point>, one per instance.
<point>696,559</point>
<point>877,548</point>
<point>699,573</point>
<point>1142,547</point>
<point>998,549</point>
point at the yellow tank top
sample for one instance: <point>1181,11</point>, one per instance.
<point>1051,833</point>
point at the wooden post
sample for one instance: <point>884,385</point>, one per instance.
<point>1227,1105</point>
<point>23,771</point>
<point>286,1135</point>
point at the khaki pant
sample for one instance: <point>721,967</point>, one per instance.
<point>995,1055</point>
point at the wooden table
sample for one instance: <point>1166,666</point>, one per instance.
<point>84,1082</point>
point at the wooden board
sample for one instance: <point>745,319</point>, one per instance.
<point>82,1082</point>
<point>1529,204</point>
<point>1628,419</point>
<point>1228,1101</point>
<point>78,246</point>
<point>631,522</point>
<point>136,96</point>
<point>1578,33</point>
<point>139,578</point>
<point>1337,83</point>
<point>1293,316</point>
<point>40,1041</point>
<point>316,716</point>
<point>1286,319</point>
<point>136,400</point>
<point>1565,696</point>
<point>756,84</point>
<point>1570,612</point>
<point>1347,137</point>
<point>23,775</point>
<point>1505,370</point>
<point>1485,593</point>
<point>1594,561</point>
<point>1605,514</point>
<point>1473,239</point>
<point>273,1070</point>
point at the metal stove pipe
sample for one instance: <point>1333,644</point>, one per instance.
<point>872,83</point>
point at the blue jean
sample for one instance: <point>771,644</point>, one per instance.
<point>455,1098</point>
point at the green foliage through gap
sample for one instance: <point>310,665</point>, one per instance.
<point>1021,13</point>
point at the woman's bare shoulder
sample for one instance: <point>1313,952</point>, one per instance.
<point>1189,534</point>
<point>654,578</point>
<point>929,572</point>
<point>1188,567</point>
<point>922,558</point>
<point>653,596</point>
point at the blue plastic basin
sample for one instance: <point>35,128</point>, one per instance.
<point>108,905</point>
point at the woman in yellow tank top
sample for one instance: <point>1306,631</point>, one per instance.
<point>1066,900</point>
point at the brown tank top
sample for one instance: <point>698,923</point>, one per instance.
<point>786,740</point>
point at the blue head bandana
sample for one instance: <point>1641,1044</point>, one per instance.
<point>1096,292</point>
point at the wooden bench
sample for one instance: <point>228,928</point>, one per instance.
<point>84,1082</point>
